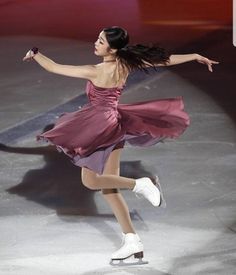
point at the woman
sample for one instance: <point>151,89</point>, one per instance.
<point>94,135</point>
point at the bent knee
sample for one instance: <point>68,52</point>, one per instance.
<point>109,191</point>
<point>90,184</point>
<point>89,178</point>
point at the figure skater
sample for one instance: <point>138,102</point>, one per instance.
<point>94,135</point>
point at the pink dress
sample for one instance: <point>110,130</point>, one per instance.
<point>89,135</point>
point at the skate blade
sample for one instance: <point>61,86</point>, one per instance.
<point>162,202</point>
<point>127,263</point>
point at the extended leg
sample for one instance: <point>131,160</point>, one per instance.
<point>95,181</point>
<point>142,186</point>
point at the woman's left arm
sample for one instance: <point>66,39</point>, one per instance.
<point>175,59</point>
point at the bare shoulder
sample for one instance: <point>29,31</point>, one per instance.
<point>110,75</point>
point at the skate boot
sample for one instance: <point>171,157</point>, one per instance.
<point>151,190</point>
<point>131,246</point>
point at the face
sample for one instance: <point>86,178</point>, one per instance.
<point>101,46</point>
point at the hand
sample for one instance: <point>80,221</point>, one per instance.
<point>203,60</point>
<point>29,56</point>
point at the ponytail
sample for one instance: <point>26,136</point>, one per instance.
<point>141,57</point>
<point>134,57</point>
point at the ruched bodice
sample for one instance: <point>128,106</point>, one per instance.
<point>107,97</point>
<point>89,134</point>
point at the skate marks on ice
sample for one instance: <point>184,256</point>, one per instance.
<point>221,261</point>
<point>127,270</point>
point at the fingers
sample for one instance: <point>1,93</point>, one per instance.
<point>25,58</point>
<point>208,62</point>
<point>214,62</point>
<point>29,55</point>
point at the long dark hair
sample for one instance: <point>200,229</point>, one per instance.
<point>134,56</point>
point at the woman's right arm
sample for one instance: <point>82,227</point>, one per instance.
<point>84,71</point>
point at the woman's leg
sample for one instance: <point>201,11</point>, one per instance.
<point>114,198</point>
<point>109,182</point>
<point>95,181</point>
<point>142,186</point>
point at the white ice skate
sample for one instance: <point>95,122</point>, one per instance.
<point>131,246</point>
<point>151,190</point>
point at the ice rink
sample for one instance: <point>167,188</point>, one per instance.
<point>51,224</point>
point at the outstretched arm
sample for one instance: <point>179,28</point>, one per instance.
<point>85,71</point>
<point>182,58</point>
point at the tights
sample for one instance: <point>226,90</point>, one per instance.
<point>110,182</point>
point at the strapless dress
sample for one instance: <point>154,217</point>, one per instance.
<point>91,133</point>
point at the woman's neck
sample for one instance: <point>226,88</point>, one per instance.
<point>109,58</point>
<point>107,61</point>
